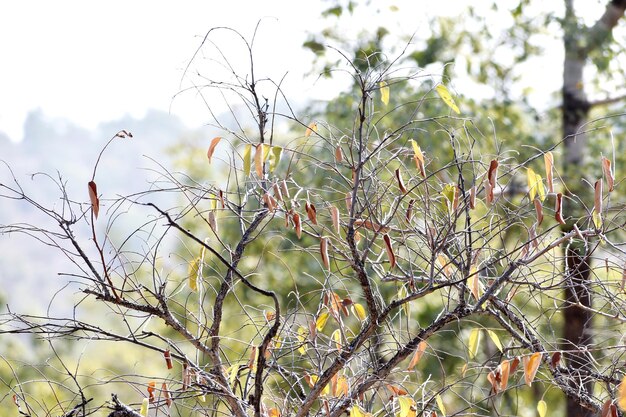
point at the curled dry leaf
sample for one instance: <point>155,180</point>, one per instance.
<point>597,205</point>
<point>621,394</point>
<point>212,146</point>
<point>389,249</point>
<point>396,391</point>
<point>558,209</point>
<point>400,182</point>
<point>213,221</point>
<point>284,189</point>
<point>609,409</point>
<point>608,174</point>
<point>492,179</point>
<point>297,225</point>
<point>324,252</point>
<point>419,352</point>
<point>531,365</point>
<point>472,198</point>
<point>338,154</point>
<point>277,194</point>
<point>409,211</point>
<point>168,358</point>
<point>349,200</point>
<point>311,212</point>
<point>151,389</point>
<point>514,364</point>
<point>375,227</point>
<point>93,197</point>
<point>548,158</point>
<point>539,211</point>
<point>166,394</point>
<point>334,214</point>
<point>556,358</point>
<point>504,374</point>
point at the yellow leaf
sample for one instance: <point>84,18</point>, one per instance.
<point>247,160</point>
<point>542,408</point>
<point>443,92</point>
<point>336,336</point>
<point>232,374</point>
<point>275,153</point>
<point>321,321</point>
<point>273,412</point>
<point>474,340</point>
<point>212,146</point>
<point>419,158</point>
<point>194,274</point>
<point>473,282</point>
<point>532,190</point>
<point>531,364</point>
<point>541,191</point>
<point>302,340</point>
<point>496,340</point>
<point>357,411</point>
<point>384,93</point>
<point>621,394</point>
<point>440,405</point>
<point>341,389</point>
<point>310,129</point>
<point>597,219</point>
<point>359,311</point>
<point>144,407</point>
<point>402,294</point>
<point>408,408</point>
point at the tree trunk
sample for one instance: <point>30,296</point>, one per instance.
<point>579,42</point>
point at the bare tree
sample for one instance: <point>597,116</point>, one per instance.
<point>340,269</point>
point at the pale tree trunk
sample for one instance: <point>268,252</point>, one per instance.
<point>579,42</point>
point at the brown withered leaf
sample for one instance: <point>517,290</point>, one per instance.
<point>297,225</point>
<point>409,211</point>
<point>531,365</point>
<point>514,364</point>
<point>597,198</point>
<point>311,212</point>
<point>168,358</point>
<point>396,391</point>
<point>349,200</point>
<point>608,173</point>
<point>556,358</point>
<point>324,252</point>
<point>277,194</point>
<point>338,154</point>
<point>93,197</point>
<point>375,227</point>
<point>492,179</point>
<point>400,182</point>
<point>558,209</point>
<point>334,215</point>
<point>505,369</point>
<point>419,352</point>
<point>212,146</point>
<point>259,160</point>
<point>389,249</point>
<point>166,394</point>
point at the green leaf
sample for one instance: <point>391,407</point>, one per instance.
<point>247,159</point>
<point>474,340</point>
<point>443,92</point>
<point>384,93</point>
<point>442,408</point>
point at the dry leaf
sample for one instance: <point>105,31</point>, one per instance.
<point>151,389</point>
<point>608,409</point>
<point>311,212</point>
<point>284,189</point>
<point>409,211</point>
<point>334,214</point>
<point>258,160</point>
<point>419,352</point>
<point>324,252</point>
<point>548,158</point>
<point>93,197</point>
<point>400,182</point>
<point>472,198</point>
<point>212,146</point>
<point>531,365</point>
<point>341,387</point>
<point>375,227</point>
<point>338,154</point>
<point>621,394</point>
<point>556,358</point>
<point>277,194</point>
<point>473,282</point>
<point>504,374</point>
<point>558,209</point>
<point>166,394</point>
<point>390,254</point>
<point>608,174</point>
<point>419,158</point>
<point>252,358</point>
<point>297,225</point>
<point>492,179</point>
<point>349,200</point>
<point>397,391</point>
<point>212,221</point>
<point>514,364</point>
<point>168,358</point>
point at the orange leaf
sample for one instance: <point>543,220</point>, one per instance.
<point>252,359</point>
<point>558,209</point>
<point>258,160</point>
<point>539,210</point>
<point>341,389</point>
<point>505,370</point>
<point>549,161</point>
<point>310,129</point>
<point>492,179</point>
<point>334,214</point>
<point>397,391</point>
<point>608,174</point>
<point>93,196</point>
<point>514,364</point>
<point>297,225</point>
<point>495,380</point>
<point>311,212</point>
<point>338,154</point>
<point>621,394</point>
<point>375,227</point>
<point>389,248</point>
<point>273,412</point>
<point>212,146</point>
<point>166,394</point>
<point>597,200</point>
<point>400,182</point>
<point>151,385</point>
<point>531,365</point>
<point>324,252</point>
<point>421,348</point>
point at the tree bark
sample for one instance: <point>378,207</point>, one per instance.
<point>579,42</point>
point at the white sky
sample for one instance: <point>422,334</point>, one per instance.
<point>89,61</point>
